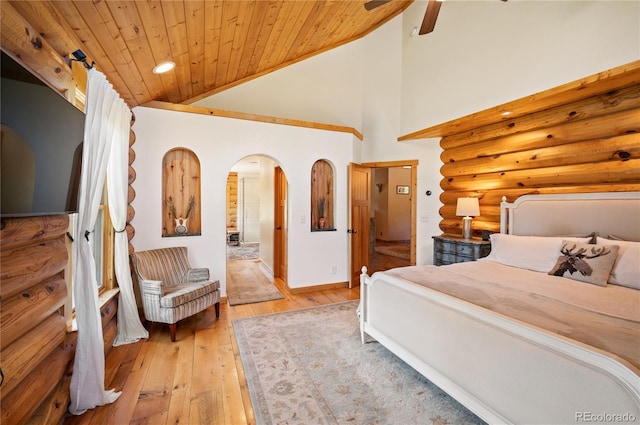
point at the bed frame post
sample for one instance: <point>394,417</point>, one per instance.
<point>362,308</point>
<point>504,206</point>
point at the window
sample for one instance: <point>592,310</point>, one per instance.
<point>97,246</point>
<point>102,248</point>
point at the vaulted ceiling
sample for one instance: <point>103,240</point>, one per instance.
<point>215,44</point>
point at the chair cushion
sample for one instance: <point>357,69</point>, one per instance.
<point>182,293</point>
<point>169,265</point>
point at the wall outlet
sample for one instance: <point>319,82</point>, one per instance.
<point>424,218</point>
<point>334,269</point>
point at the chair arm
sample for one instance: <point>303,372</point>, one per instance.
<point>152,287</point>
<point>197,275</point>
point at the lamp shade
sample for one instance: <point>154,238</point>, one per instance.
<point>468,207</point>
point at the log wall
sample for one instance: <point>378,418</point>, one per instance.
<point>590,145</point>
<point>131,231</point>
<point>232,201</point>
<point>36,351</point>
<point>33,331</point>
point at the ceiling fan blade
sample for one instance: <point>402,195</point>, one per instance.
<point>430,16</point>
<point>370,5</point>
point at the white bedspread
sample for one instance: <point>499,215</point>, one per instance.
<point>607,318</point>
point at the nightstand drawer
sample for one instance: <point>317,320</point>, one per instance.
<point>461,259</point>
<point>450,250</point>
<point>466,249</point>
<point>448,258</point>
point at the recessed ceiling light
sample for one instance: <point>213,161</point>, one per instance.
<point>164,67</point>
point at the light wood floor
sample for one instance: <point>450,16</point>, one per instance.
<point>379,262</point>
<point>199,378</point>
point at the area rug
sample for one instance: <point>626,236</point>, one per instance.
<point>243,251</point>
<point>394,249</point>
<point>309,367</point>
<point>247,284</point>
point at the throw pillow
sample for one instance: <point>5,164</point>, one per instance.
<point>585,262</point>
<point>626,269</point>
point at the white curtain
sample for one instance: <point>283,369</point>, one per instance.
<point>105,115</point>
<point>130,328</point>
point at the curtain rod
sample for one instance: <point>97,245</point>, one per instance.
<point>81,57</point>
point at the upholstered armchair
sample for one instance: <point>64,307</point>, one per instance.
<point>170,289</point>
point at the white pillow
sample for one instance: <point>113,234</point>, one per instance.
<point>626,269</point>
<point>537,253</point>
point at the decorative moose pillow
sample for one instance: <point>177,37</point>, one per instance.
<point>585,262</point>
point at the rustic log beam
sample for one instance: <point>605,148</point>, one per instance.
<point>487,212</point>
<point>109,335</point>
<point>581,174</point>
<point>494,197</point>
<point>18,406</point>
<point>21,357</point>
<point>619,148</point>
<point>453,227</point>
<point>108,311</point>
<point>24,311</point>
<point>24,267</point>
<point>45,19</point>
<point>56,404</point>
<point>608,103</point>
<point>16,232</point>
<point>21,41</point>
<point>605,126</point>
<point>53,409</point>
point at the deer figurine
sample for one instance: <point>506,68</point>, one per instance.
<point>181,222</point>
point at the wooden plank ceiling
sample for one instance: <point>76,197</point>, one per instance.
<point>216,44</point>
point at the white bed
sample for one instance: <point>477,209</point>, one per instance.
<point>516,370</point>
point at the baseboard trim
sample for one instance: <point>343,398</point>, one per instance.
<point>317,287</point>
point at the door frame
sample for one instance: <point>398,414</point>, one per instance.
<point>413,194</point>
<point>358,226</point>
<point>280,268</point>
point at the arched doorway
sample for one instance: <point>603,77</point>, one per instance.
<point>256,240</point>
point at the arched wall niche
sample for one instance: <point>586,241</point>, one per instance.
<point>181,206</point>
<point>322,196</point>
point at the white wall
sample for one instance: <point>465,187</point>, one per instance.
<point>382,79</point>
<point>485,53</point>
<point>267,199</point>
<point>316,89</point>
<point>219,144</point>
<point>481,54</point>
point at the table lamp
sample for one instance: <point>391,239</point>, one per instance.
<point>467,207</point>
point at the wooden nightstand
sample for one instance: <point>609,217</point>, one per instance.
<point>451,249</point>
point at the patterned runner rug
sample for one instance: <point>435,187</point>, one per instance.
<point>394,249</point>
<point>309,367</point>
<point>246,283</point>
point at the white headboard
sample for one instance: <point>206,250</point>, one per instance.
<point>610,213</point>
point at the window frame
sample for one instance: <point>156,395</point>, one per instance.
<point>106,261</point>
